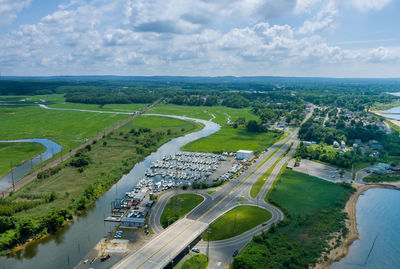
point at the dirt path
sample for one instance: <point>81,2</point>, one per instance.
<point>343,249</point>
<point>28,178</point>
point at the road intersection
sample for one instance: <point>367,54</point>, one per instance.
<point>161,250</point>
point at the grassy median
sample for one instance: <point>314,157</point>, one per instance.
<point>198,261</point>
<point>178,206</point>
<point>237,221</point>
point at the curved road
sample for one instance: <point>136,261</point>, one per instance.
<point>158,252</point>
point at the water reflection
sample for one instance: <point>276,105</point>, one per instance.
<point>20,171</point>
<point>67,247</point>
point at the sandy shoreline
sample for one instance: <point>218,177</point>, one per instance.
<point>379,113</point>
<point>342,250</point>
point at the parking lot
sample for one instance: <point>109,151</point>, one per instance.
<point>322,171</point>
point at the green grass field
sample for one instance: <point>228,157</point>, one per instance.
<point>18,153</point>
<point>302,194</point>
<point>68,128</point>
<point>110,162</point>
<point>231,140</point>
<point>228,138</point>
<point>203,112</point>
<point>247,217</point>
<point>198,261</point>
<point>313,212</point>
<point>178,206</point>
<point>108,107</point>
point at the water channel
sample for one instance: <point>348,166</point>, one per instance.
<point>21,170</point>
<point>66,248</point>
<point>378,221</point>
<point>378,225</point>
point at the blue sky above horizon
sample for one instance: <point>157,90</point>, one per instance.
<point>330,38</point>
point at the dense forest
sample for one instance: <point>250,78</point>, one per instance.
<point>354,94</point>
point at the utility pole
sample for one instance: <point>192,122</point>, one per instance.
<point>12,176</point>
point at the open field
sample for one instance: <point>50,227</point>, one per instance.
<point>17,153</point>
<point>203,112</point>
<point>67,128</point>
<point>58,101</point>
<point>108,107</point>
<point>178,206</point>
<point>228,138</point>
<point>237,221</point>
<point>198,261</point>
<point>303,194</point>
<point>231,140</point>
<point>313,213</point>
<point>56,194</point>
<point>108,162</point>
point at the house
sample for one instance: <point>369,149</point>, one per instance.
<point>336,144</point>
<point>307,143</point>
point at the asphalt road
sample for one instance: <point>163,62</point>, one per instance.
<point>162,248</point>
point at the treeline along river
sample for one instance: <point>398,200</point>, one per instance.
<point>65,248</point>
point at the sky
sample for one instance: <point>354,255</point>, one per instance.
<point>303,38</point>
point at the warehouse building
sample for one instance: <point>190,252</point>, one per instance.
<point>244,154</point>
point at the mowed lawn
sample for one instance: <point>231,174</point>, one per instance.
<point>68,128</point>
<point>247,217</point>
<point>18,153</point>
<point>231,140</point>
<point>302,194</point>
<point>178,206</point>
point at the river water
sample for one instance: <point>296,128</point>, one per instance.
<point>19,171</point>
<point>378,219</point>
<point>69,245</point>
<point>395,116</point>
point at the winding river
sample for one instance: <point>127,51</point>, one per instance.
<point>66,248</point>
<point>19,171</point>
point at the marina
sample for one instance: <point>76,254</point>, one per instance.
<point>170,172</point>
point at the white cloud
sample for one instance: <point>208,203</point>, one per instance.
<point>322,21</point>
<point>366,5</point>
<point>305,6</point>
<point>9,10</point>
<point>180,37</point>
